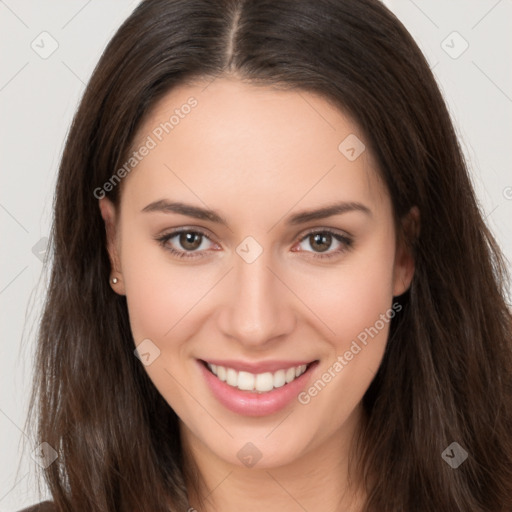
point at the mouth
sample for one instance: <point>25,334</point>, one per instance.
<point>256,394</point>
<point>262,381</point>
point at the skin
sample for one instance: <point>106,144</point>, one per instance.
<point>258,155</point>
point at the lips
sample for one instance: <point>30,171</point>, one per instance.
<point>250,403</point>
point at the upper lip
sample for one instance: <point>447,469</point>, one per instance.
<point>257,367</point>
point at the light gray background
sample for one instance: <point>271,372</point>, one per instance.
<point>38,97</point>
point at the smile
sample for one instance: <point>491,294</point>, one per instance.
<point>268,389</point>
<point>258,383</point>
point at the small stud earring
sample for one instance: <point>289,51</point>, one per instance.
<point>115,280</point>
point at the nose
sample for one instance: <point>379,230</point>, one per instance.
<point>259,308</point>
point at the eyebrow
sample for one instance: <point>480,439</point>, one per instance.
<point>165,206</point>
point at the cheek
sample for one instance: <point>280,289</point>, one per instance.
<point>357,293</point>
<point>160,297</point>
<point>159,292</point>
<point>358,307</point>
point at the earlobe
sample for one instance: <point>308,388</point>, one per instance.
<point>109,215</point>
<point>404,261</point>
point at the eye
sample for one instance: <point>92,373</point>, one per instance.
<point>193,243</point>
<point>185,243</point>
<point>322,241</point>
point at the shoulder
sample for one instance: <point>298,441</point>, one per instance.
<point>44,506</point>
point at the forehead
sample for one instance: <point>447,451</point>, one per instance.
<point>226,139</point>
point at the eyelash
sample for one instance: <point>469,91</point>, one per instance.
<point>343,239</point>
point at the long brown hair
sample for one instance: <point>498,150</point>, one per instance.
<point>447,371</point>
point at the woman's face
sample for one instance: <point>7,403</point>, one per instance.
<point>254,233</point>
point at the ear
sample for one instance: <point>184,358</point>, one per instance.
<point>110,217</point>
<point>404,260</point>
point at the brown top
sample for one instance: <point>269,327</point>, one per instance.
<point>44,506</point>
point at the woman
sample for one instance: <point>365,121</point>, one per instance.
<point>272,286</point>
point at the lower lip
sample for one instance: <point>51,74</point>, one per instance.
<point>250,403</point>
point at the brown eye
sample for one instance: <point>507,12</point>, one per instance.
<point>189,240</point>
<point>320,242</point>
<point>325,243</point>
<point>186,243</point>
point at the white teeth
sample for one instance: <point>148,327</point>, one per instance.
<point>245,381</point>
<point>299,370</point>
<point>264,382</point>
<point>260,382</point>
<point>290,375</point>
<point>279,378</point>
<point>221,372</point>
<point>231,377</point>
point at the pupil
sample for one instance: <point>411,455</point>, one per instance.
<point>322,238</point>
